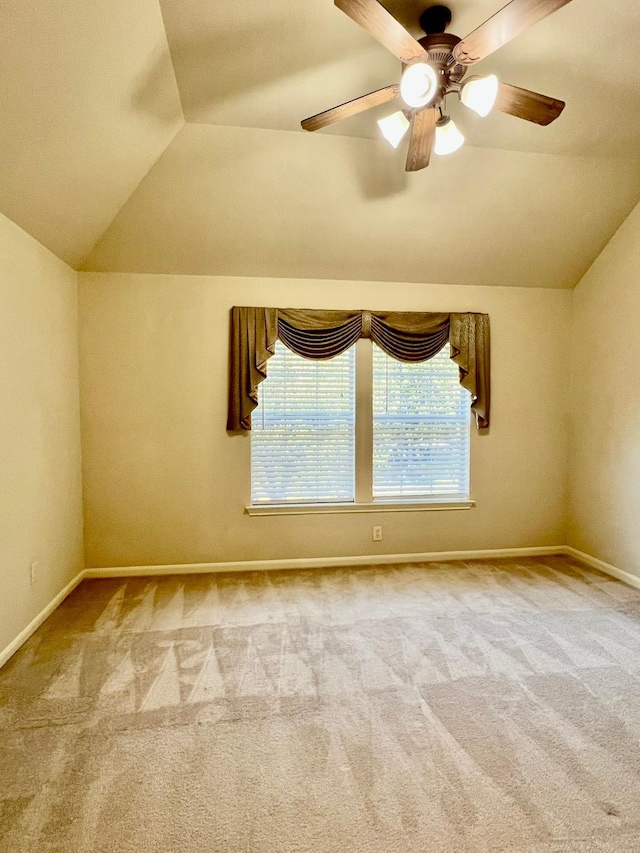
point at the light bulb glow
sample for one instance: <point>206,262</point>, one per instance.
<point>448,137</point>
<point>480,93</point>
<point>394,127</point>
<point>418,85</point>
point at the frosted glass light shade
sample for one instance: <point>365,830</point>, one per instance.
<point>394,127</point>
<point>448,137</point>
<point>479,94</point>
<point>418,85</point>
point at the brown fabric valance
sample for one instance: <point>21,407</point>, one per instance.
<point>407,336</point>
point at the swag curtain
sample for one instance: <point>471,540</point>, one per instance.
<point>407,336</point>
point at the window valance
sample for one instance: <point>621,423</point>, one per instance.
<point>407,336</point>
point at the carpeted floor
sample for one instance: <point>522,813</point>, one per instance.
<point>481,706</point>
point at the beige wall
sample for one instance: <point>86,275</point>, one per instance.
<point>604,518</point>
<point>40,483</point>
<point>164,483</point>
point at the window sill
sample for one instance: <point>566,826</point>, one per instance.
<point>379,506</point>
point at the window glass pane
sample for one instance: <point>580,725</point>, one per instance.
<point>303,431</point>
<point>420,428</point>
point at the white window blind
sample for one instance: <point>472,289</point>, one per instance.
<point>303,431</point>
<point>420,428</point>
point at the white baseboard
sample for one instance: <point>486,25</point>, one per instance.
<point>319,562</point>
<point>607,568</point>
<point>312,563</point>
<point>33,626</point>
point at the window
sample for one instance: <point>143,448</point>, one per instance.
<point>420,428</point>
<point>412,425</point>
<point>303,431</point>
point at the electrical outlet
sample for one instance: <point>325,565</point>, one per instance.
<point>377,534</point>
<point>34,572</point>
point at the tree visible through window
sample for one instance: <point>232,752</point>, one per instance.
<point>420,428</point>
<point>303,431</point>
<point>416,428</point>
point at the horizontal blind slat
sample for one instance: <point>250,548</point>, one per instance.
<point>303,431</point>
<point>302,445</point>
<point>420,428</point>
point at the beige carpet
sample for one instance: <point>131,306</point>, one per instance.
<point>485,706</point>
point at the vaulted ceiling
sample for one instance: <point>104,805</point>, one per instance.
<point>97,163</point>
<point>88,101</point>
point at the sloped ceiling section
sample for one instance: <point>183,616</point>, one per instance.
<point>243,190</point>
<point>254,202</point>
<point>271,64</point>
<point>88,102</point>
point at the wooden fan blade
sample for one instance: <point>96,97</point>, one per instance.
<point>423,132</point>
<point>351,108</point>
<point>530,106</point>
<point>505,25</point>
<point>379,23</point>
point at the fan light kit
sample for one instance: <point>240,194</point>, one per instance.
<point>419,85</point>
<point>479,94</point>
<point>433,67</point>
<point>448,137</point>
<point>394,127</point>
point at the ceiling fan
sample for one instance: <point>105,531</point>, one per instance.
<point>435,66</point>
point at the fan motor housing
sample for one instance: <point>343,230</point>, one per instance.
<point>439,46</point>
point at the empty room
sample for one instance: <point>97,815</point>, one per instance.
<point>319,426</point>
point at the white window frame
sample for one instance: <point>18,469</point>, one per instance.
<point>364,501</point>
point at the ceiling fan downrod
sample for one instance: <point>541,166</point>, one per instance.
<point>435,20</point>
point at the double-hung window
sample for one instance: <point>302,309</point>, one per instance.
<point>420,429</point>
<point>361,428</point>
<point>303,431</point>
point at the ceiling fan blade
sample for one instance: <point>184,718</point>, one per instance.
<point>351,108</point>
<point>530,106</point>
<point>379,23</point>
<point>505,25</point>
<point>423,132</point>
